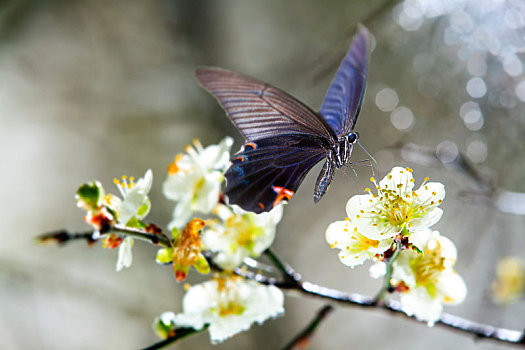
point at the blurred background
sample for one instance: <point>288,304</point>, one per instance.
<point>96,89</point>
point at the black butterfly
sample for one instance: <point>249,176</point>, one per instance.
<point>284,137</point>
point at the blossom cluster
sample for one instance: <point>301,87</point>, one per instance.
<point>389,225</point>
<point>395,217</point>
<point>105,210</point>
<point>227,304</point>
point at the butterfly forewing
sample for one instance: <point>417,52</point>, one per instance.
<point>260,110</point>
<point>270,170</point>
<point>285,138</point>
<point>344,96</point>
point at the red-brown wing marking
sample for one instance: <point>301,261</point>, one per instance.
<point>282,193</point>
<point>272,171</point>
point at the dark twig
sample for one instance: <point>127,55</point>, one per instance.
<point>180,333</point>
<point>293,284</point>
<point>286,270</point>
<point>64,236</point>
<point>303,338</point>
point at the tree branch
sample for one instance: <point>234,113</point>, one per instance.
<point>303,338</point>
<point>293,284</point>
<point>180,333</point>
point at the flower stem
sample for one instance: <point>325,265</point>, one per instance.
<point>387,285</point>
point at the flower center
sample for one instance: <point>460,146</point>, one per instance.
<point>244,230</point>
<point>187,248</point>
<point>231,308</point>
<point>428,266</point>
<point>364,243</point>
<point>124,186</point>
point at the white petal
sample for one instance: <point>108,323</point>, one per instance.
<point>336,235</point>
<point>215,238</point>
<point>380,232</point>
<point>402,270</point>
<point>264,302</point>
<point>130,206</point>
<point>216,156</point>
<point>377,270</point>
<point>418,302</point>
<point>427,220</point>
<point>381,247</point>
<point>177,185</point>
<point>420,238</point>
<point>353,260</point>
<point>181,213</point>
<point>431,192</point>
<point>358,203</point>
<point>144,184</point>
<point>207,196</point>
<point>448,251</point>
<point>398,176</point>
<point>452,287</point>
<point>125,256</point>
<point>229,260</point>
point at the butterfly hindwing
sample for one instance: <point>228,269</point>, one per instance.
<point>343,99</point>
<point>270,170</point>
<point>260,110</point>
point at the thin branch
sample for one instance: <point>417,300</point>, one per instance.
<point>293,284</point>
<point>286,270</point>
<point>303,338</point>
<point>387,285</point>
<point>455,323</point>
<point>64,236</point>
<point>180,333</point>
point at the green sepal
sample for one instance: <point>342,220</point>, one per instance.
<point>144,208</point>
<point>89,195</point>
<point>164,256</point>
<point>163,327</point>
<point>175,233</point>
<point>201,265</point>
<point>135,223</point>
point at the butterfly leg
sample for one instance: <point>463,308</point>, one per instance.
<point>325,177</point>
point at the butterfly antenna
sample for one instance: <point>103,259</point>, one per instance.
<point>375,161</point>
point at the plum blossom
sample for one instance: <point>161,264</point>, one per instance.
<point>185,250</point>
<point>105,210</point>
<point>509,285</point>
<point>194,179</point>
<point>240,234</point>
<point>396,208</point>
<point>229,305</point>
<point>355,248</point>
<point>135,204</point>
<point>427,281</point>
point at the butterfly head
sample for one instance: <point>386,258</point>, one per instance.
<point>353,137</point>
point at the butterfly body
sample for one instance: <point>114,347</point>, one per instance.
<point>284,137</point>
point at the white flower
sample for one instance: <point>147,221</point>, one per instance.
<point>509,285</point>
<point>135,203</point>
<point>240,234</point>
<point>194,179</point>
<point>427,281</point>
<point>125,257</point>
<point>396,208</point>
<point>229,305</point>
<point>129,210</point>
<point>355,248</point>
